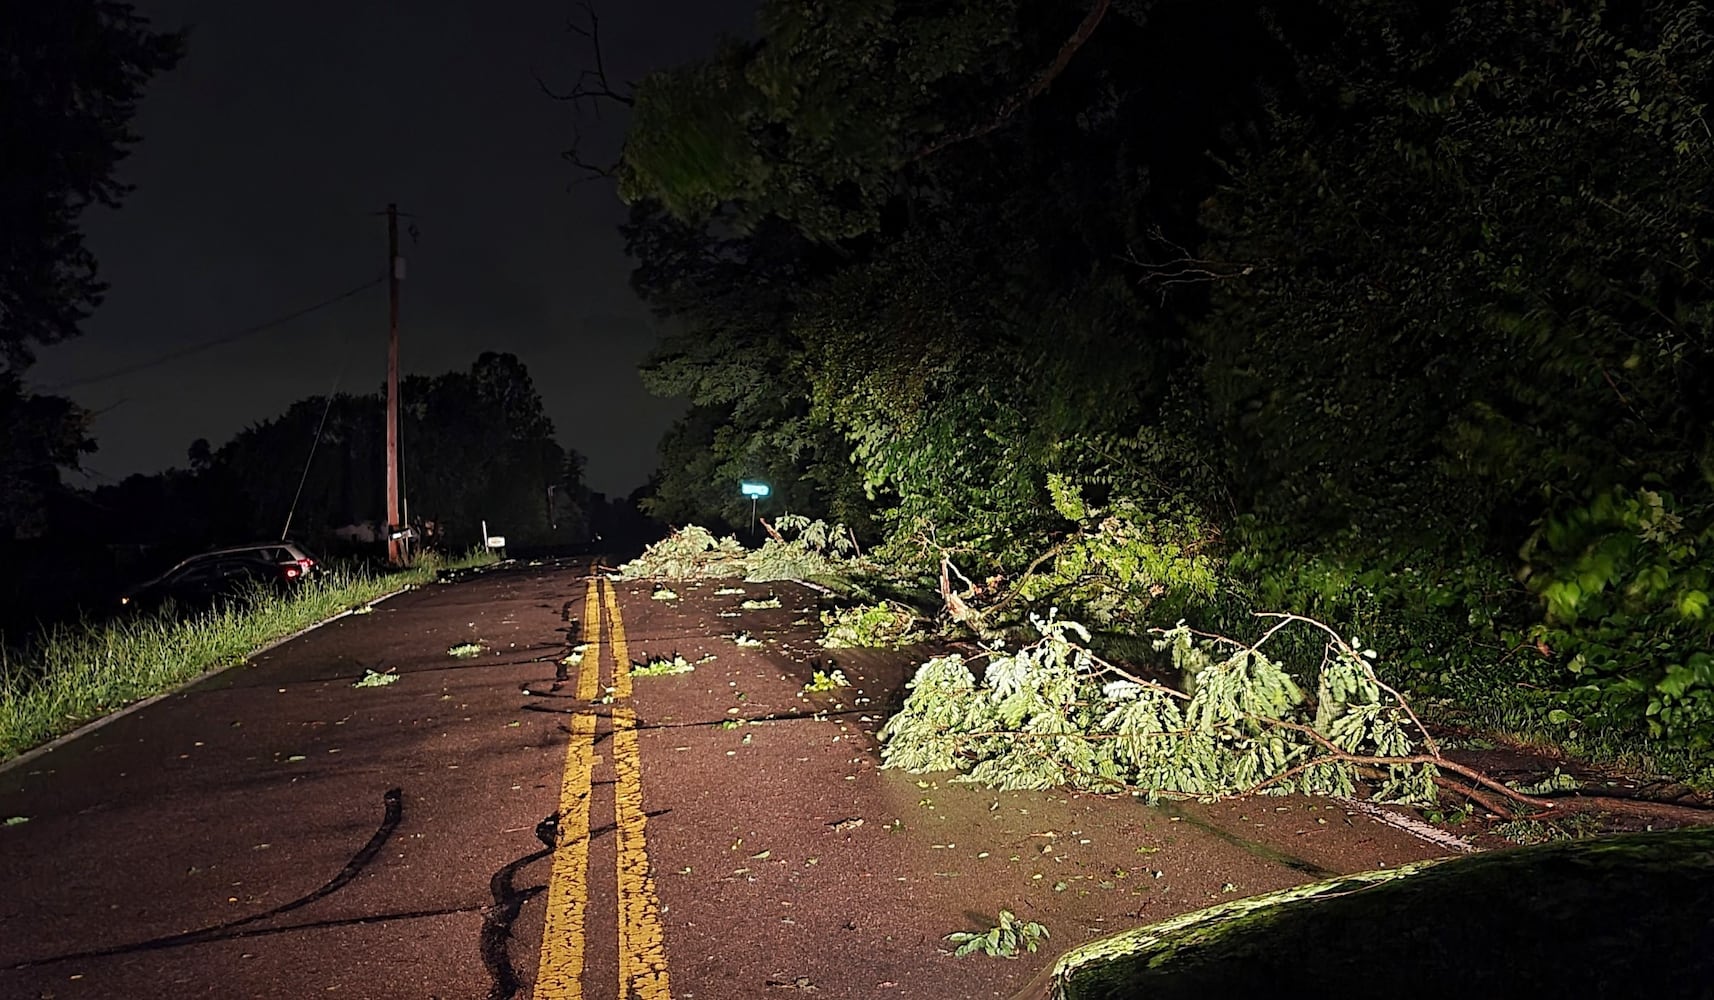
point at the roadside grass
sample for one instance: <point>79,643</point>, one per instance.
<point>1502,713</point>
<point>432,562</point>
<point>71,674</point>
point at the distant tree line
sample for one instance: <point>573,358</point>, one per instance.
<point>476,445</point>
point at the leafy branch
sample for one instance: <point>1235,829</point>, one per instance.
<point>1003,939</point>
<point>1053,713</point>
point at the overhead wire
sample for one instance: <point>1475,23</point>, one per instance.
<point>320,426</point>
<point>249,331</point>
<point>313,445</point>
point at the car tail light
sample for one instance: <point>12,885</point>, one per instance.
<point>293,571</point>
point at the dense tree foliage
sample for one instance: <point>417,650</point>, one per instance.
<point>1398,311</point>
<point>71,73</point>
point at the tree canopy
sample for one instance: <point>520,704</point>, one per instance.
<point>1404,306</point>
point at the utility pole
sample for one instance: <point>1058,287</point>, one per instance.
<point>395,269</point>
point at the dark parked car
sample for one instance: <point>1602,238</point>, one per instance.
<point>215,577</point>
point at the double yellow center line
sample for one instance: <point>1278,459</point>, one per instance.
<point>642,941</point>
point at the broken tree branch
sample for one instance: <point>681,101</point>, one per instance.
<point>1485,801</point>
<point>1181,267</point>
<point>956,606</point>
<point>1042,82</point>
<point>1343,646</point>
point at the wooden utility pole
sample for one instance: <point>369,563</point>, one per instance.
<point>395,546</point>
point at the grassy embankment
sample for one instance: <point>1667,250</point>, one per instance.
<point>71,674</point>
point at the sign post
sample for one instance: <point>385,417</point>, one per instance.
<point>755,490</point>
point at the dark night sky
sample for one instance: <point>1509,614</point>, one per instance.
<point>265,152</point>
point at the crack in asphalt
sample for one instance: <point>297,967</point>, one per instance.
<point>393,801</point>
<point>245,933</point>
<point>573,636</point>
<point>498,918</point>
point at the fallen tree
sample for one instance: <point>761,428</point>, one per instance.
<point>694,553</point>
<point>1237,723</point>
<point>1053,713</point>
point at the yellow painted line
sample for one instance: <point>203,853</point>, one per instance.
<point>642,939</point>
<point>621,652</point>
<point>560,974</point>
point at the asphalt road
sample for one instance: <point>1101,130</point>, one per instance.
<point>513,825</point>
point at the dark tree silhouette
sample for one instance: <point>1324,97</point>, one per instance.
<point>71,73</point>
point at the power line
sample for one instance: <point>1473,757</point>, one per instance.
<point>249,331</point>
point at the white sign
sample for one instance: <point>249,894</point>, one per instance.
<point>496,541</point>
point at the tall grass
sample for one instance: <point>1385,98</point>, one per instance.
<point>478,556</point>
<point>71,674</point>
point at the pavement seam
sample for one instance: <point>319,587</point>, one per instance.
<point>559,969</point>
<point>137,706</point>
<point>642,937</point>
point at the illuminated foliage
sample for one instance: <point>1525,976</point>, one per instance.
<point>1347,307</point>
<point>1052,714</point>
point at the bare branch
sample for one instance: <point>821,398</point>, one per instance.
<point>592,84</point>
<point>1485,801</point>
<point>591,171</point>
<point>589,92</point>
<point>1178,266</point>
<point>1133,678</point>
<point>1043,80</point>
